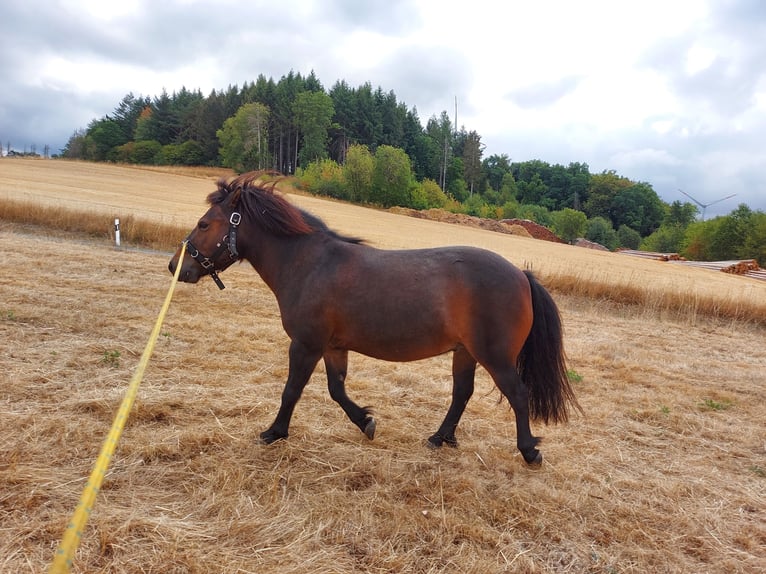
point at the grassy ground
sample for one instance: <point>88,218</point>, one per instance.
<point>665,473</point>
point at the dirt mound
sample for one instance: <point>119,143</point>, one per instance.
<point>535,229</point>
<point>521,227</point>
<point>582,242</point>
<point>517,230</point>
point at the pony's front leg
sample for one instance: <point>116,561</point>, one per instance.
<point>302,363</point>
<point>336,364</point>
<point>463,373</point>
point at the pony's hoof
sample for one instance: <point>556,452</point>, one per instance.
<point>437,440</point>
<point>270,436</point>
<point>536,462</point>
<point>434,441</point>
<point>369,428</point>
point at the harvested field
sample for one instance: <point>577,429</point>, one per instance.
<point>666,473</point>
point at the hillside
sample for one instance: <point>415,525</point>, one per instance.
<point>177,196</point>
<point>664,473</point>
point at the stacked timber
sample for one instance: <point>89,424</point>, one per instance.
<point>744,267</point>
<point>737,267</point>
<point>652,255</point>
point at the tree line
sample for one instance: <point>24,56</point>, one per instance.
<point>361,144</point>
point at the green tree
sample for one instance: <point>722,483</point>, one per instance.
<point>144,126</point>
<point>313,113</point>
<point>244,138</point>
<point>532,191</point>
<point>730,237</point>
<point>190,153</point>
<point>368,121</point>
<point>145,152</point>
<point>472,168</point>
<point>639,207</point>
<point>127,112</point>
<point>429,195</point>
<point>536,213</point>
<point>440,131</point>
<point>286,136</point>
<point>456,185</point>
<point>426,158</point>
<point>324,177</point>
<point>415,144</point>
<point>569,224</point>
<point>697,243</point>
<point>509,191</point>
<point>579,179</point>
<point>680,213</point>
<point>163,122</point>
<point>602,189</point>
<point>391,177</point>
<point>392,115</point>
<point>187,153</point>
<point>343,100</point>
<point>600,230</point>
<point>667,239</point>
<point>755,242</point>
<point>105,134</point>
<point>559,193</point>
<point>203,123</point>
<point>496,168</point>
<point>357,171</point>
<point>75,145</point>
<point>475,205</point>
<point>629,238</point>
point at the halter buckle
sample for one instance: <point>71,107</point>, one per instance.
<point>235,218</point>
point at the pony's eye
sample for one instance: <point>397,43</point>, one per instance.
<point>203,225</point>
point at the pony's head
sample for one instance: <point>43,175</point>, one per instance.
<point>242,210</point>
<point>246,201</point>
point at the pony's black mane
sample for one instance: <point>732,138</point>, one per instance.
<point>262,205</point>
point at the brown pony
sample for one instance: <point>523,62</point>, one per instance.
<point>337,295</point>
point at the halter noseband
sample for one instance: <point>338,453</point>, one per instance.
<point>228,242</point>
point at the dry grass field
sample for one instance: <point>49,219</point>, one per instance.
<point>665,473</point>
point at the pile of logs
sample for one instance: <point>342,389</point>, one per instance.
<point>746,267</point>
<point>653,255</point>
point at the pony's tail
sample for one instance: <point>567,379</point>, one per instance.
<point>542,362</point>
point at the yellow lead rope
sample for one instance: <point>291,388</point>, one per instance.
<point>62,562</point>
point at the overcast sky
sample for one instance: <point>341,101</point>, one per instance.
<point>671,92</point>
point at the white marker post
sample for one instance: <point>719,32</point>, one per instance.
<point>117,232</point>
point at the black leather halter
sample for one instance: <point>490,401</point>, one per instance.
<point>227,246</point>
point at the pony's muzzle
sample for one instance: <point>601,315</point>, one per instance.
<point>188,272</point>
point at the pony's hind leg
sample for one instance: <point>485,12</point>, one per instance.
<point>336,364</point>
<point>517,393</point>
<point>463,373</point>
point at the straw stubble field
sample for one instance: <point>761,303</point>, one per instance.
<point>666,473</point>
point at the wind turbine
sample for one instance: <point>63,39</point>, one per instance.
<point>706,205</point>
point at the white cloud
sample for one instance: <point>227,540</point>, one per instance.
<point>674,93</point>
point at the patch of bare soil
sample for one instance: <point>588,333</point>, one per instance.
<point>522,227</point>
